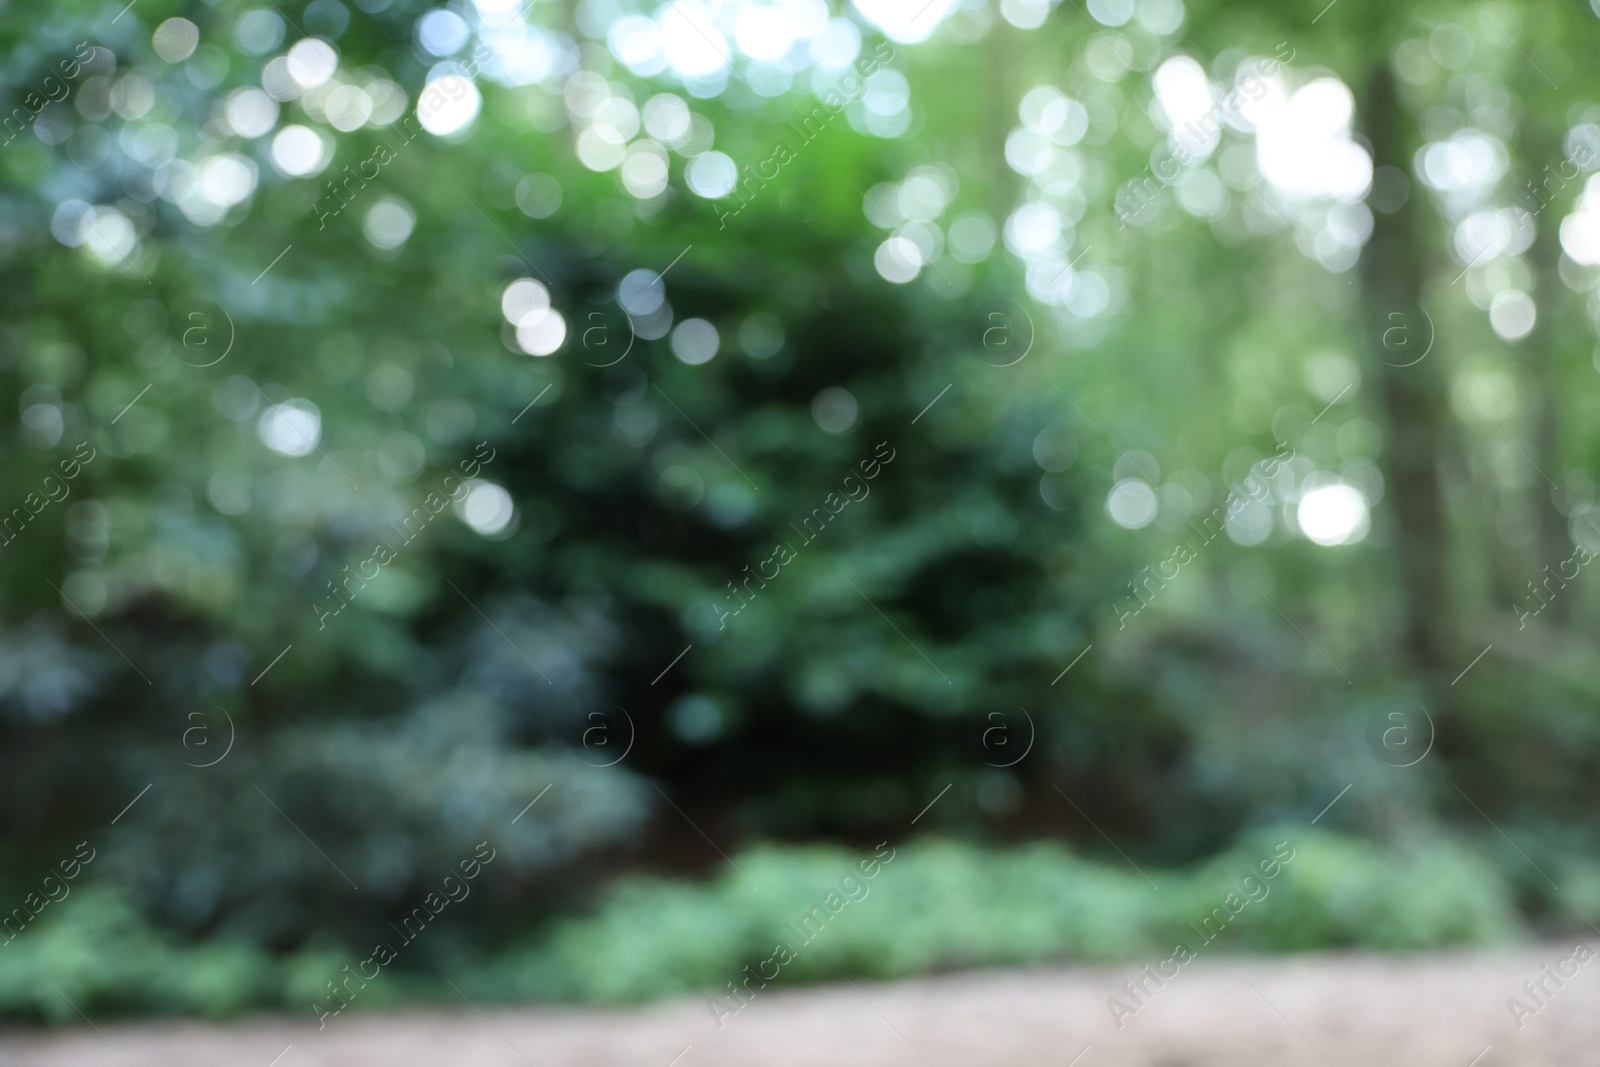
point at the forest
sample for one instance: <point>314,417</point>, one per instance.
<point>690,452</point>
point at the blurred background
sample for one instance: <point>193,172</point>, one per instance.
<point>1140,432</point>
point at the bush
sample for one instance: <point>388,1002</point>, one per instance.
<point>101,956</point>
<point>936,904</point>
<point>942,904</point>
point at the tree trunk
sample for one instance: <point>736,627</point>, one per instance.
<point>1540,350</point>
<point>1412,396</point>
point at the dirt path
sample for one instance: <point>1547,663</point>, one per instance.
<point>1306,1011</point>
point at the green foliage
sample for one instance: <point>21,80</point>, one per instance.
<point>104,956</point>
<point>943,904</point>
<point>1342,891</point>
<point>191,573</point>
<point>938,904</point>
